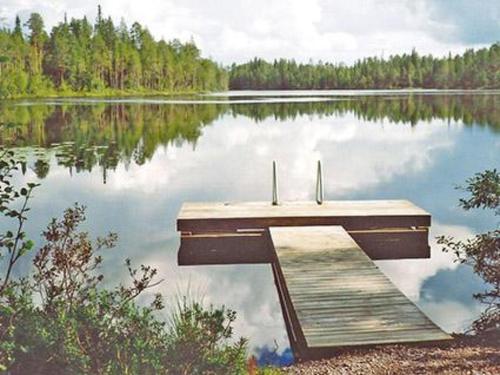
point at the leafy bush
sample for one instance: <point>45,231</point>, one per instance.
<point>482,252</point>
<point>59,320</point>
<point>195,336</point>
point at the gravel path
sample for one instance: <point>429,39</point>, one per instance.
<point>463,356</point>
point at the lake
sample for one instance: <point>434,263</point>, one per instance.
<point>134,161</point>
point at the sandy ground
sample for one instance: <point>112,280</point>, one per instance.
<point>464,355</point>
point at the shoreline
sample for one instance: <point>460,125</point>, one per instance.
<point>237,93</point>
<point>103,95</point>
<point>463,355</point>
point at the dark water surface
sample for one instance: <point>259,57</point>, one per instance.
<point>133,162</point>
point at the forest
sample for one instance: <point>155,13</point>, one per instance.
<point>471,70</point>
<point>78,57</point>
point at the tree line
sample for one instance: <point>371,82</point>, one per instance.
<point>472,70</point>
<point>79,57</point>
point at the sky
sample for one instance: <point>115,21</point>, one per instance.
<point>328,30</point>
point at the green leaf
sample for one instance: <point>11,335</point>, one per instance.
<point>29,245</point>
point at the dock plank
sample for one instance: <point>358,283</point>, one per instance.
<point>336,296</point>
<point>352,215</point>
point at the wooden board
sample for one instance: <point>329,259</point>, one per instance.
<point>255,246</point>
<point>352,215</point>
<point>225,248</point>
<point>334,296</point>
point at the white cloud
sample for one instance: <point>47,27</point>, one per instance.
<point>408,275</point>
<point>302,29</point>
<point>247,289</point>
<point>452,316</point>
<point>296,145</point>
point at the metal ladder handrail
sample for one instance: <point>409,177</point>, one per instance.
<point>275,185</point>
<point>319,184</point>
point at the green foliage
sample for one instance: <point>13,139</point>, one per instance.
<point>482,252</point>
<point>484,189</point>
<point>13,206</point>
<point>473,69</point>
<point>60,320</point>
<point>196,335</point>
<point>77,58</point>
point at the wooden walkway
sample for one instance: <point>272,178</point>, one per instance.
<point>334,296</point>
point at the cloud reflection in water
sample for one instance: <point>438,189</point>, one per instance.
<point>362,159</point>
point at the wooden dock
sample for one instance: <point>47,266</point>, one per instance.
<point>228,233</point>
<point>352,215</point>
<point>331,293</point>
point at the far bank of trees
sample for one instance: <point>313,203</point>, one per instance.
<point>77,56</point>
<point>472,70</point>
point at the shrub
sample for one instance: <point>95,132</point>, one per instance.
<point>482,252</point>
<point>196,341</point>
<point>60,320</point>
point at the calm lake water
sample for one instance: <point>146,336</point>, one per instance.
<point>133,162</point>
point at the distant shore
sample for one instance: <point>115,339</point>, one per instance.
<point>236,93</point>
<point>102,94</point>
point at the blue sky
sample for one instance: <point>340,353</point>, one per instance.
<point>338,31</point>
